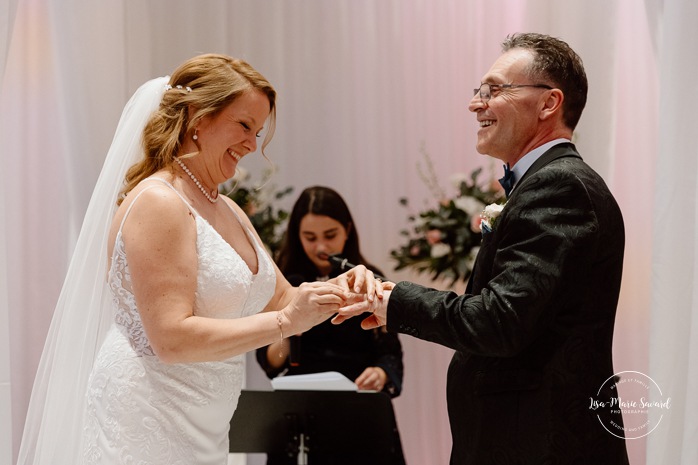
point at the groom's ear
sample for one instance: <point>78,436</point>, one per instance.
<point>552,105</point>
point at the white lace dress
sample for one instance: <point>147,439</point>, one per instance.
<point>141,411</point>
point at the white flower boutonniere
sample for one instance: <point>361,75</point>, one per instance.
<point>489,216</point>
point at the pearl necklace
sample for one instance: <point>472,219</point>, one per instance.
<point>196,181</point>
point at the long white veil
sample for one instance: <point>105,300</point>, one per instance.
<point>54,423</point>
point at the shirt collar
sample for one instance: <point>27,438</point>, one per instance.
<point>527,160</point>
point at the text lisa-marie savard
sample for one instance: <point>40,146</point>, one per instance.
<point>619,403</point>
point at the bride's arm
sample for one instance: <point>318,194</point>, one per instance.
<point>160,243</point>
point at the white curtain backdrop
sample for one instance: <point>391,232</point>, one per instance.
<point>362,85</point>
<point>673,359</point>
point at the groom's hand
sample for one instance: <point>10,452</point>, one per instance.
<point>358,304</point>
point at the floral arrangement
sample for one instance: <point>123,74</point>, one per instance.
<point>444,240</point>
<point>257,201</point>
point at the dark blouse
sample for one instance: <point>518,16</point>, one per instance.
<point>345,348</point>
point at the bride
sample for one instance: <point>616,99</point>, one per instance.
<point>147,368</point>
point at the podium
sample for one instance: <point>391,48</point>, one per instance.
<point>317,427</point>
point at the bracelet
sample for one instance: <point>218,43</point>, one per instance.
<point>281,333</point>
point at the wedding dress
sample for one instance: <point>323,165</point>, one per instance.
<point>140,411</point>
<point>143,411</point>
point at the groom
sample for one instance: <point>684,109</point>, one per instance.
<point>533,332</point>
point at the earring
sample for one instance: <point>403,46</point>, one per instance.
<point>195,136</point>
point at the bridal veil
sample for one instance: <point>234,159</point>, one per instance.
<point>54,423</point>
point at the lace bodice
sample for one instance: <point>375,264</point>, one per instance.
<point>143,411</point>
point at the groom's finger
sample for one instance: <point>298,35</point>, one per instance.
<point>353,298</point>
<point>339,319</point>
<point>360,305</point>
<point>356,308</point>
<point>370,322</point>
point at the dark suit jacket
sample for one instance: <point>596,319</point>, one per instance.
<point>533,332</point>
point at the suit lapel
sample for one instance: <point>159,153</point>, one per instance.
<point>566,149</point>
<point>559,151</point>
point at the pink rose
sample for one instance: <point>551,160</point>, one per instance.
<point>433,236</point>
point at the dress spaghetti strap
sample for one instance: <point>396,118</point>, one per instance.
<point>168,184</point>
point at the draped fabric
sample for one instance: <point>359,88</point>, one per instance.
<point>362,85</point>
<point>673,355</point>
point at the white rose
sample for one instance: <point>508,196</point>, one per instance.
<point>489,216</point>
<point>439,250</point>
<point>493,210</point>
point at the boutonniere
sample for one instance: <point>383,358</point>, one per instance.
<point>489,216</point>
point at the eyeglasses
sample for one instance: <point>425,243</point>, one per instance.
<point>486,90</point>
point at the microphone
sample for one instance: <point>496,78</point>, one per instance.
<point>294,356</point>
<point>341,264</point>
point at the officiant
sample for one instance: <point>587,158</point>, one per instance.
<point>321,225</point>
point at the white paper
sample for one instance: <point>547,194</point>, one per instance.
<point>326,381</point>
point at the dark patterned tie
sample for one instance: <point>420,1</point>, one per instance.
<point>507,181</point>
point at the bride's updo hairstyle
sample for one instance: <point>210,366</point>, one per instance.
<point>208,83</point>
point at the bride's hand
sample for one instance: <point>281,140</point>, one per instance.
<point>313,303</point>
<point>361,280</point>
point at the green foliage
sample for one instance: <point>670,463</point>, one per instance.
<point>260,203</point>
<point>444,240</point>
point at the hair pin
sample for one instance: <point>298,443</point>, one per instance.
<point>168,87</point>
